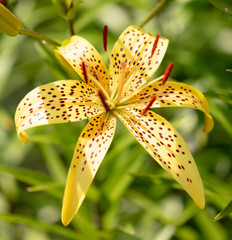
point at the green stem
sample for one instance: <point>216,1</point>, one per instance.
<point>71,4</point>
<point>154,12</point>
<point>40,37</point>
<point>69,21</point>
<point>64,6</point>
<point>71,29</point>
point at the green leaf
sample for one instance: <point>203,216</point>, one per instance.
<point>226,211</point>
<point>54,163</point>
<point>52,228</point>
<point>72,11</point>
<point>55,67</point>
<point>120,179</point>
<point>59,7</point>
<point>210,230</point>
<point>223,95</point>
<point>123,234</point>
<point>223,5</point>
<point>156,210</point>
<point>26,175</point>
<point>221,117</point>
<point>33,178</point>
<point>44,187</point>
<point>158,179</point>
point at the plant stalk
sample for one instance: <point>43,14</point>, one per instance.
<point>154,12</point>
<point>40,37</point>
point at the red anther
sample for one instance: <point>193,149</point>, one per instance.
<point>148,106</point>
<point>4,2</point>
<point>84,72</point>
<point>167,72</point>
<point>105,33</point>
<point>155,45</point>
<point>103,100</point>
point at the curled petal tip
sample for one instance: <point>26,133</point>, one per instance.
<point>201,203</point>
<point>69,209</point>
<point>209,123</point>
<point>65,221</point>
<point>23,137</point>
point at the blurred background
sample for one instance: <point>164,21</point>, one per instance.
<point>131,197</point>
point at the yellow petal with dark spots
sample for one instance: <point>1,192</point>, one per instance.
<point>90,150</point>
<point>167,147</point>
<point>132,62</point>
<point>57,102</point>
<point>75,52</point>
<point>172,94</point>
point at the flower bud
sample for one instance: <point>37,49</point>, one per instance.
<point>9,23</point>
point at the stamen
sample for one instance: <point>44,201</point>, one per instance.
<point>94,76</point>
<point>105,33</point>
<point>155,45</point>
<point>84,72</point>
<point>167,72</point>
<point>148,106</point>
<point>103,100</point>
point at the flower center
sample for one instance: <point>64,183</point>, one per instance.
<point>101,96</point>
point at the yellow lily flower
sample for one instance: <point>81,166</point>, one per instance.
<point>125,92</point>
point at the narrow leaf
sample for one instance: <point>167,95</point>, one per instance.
<point>221,116</point>
<point>223,95</point>
<point>33,178</point>
<point>53,228</point>
<point>223,5</point>
<point>226,211</point>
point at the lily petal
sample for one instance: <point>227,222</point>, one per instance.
<point>172,94</point>
<point>57,102</point>
<point>75,52</point>
<point>132,62</point>
<point>167,147</point>
<point>91,148</point>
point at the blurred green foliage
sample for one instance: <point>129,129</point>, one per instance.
<point>131,197</point>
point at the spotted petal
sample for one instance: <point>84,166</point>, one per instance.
<point>57,102</point>
<point>172,94</point>
<point>75,52</point>
<point>167,147</point>
<point>132,61</point>
<point>91,148</point>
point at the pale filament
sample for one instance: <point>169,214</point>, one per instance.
<point>123,100</point>
<point>96,81</point>
<point>121,81</point>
